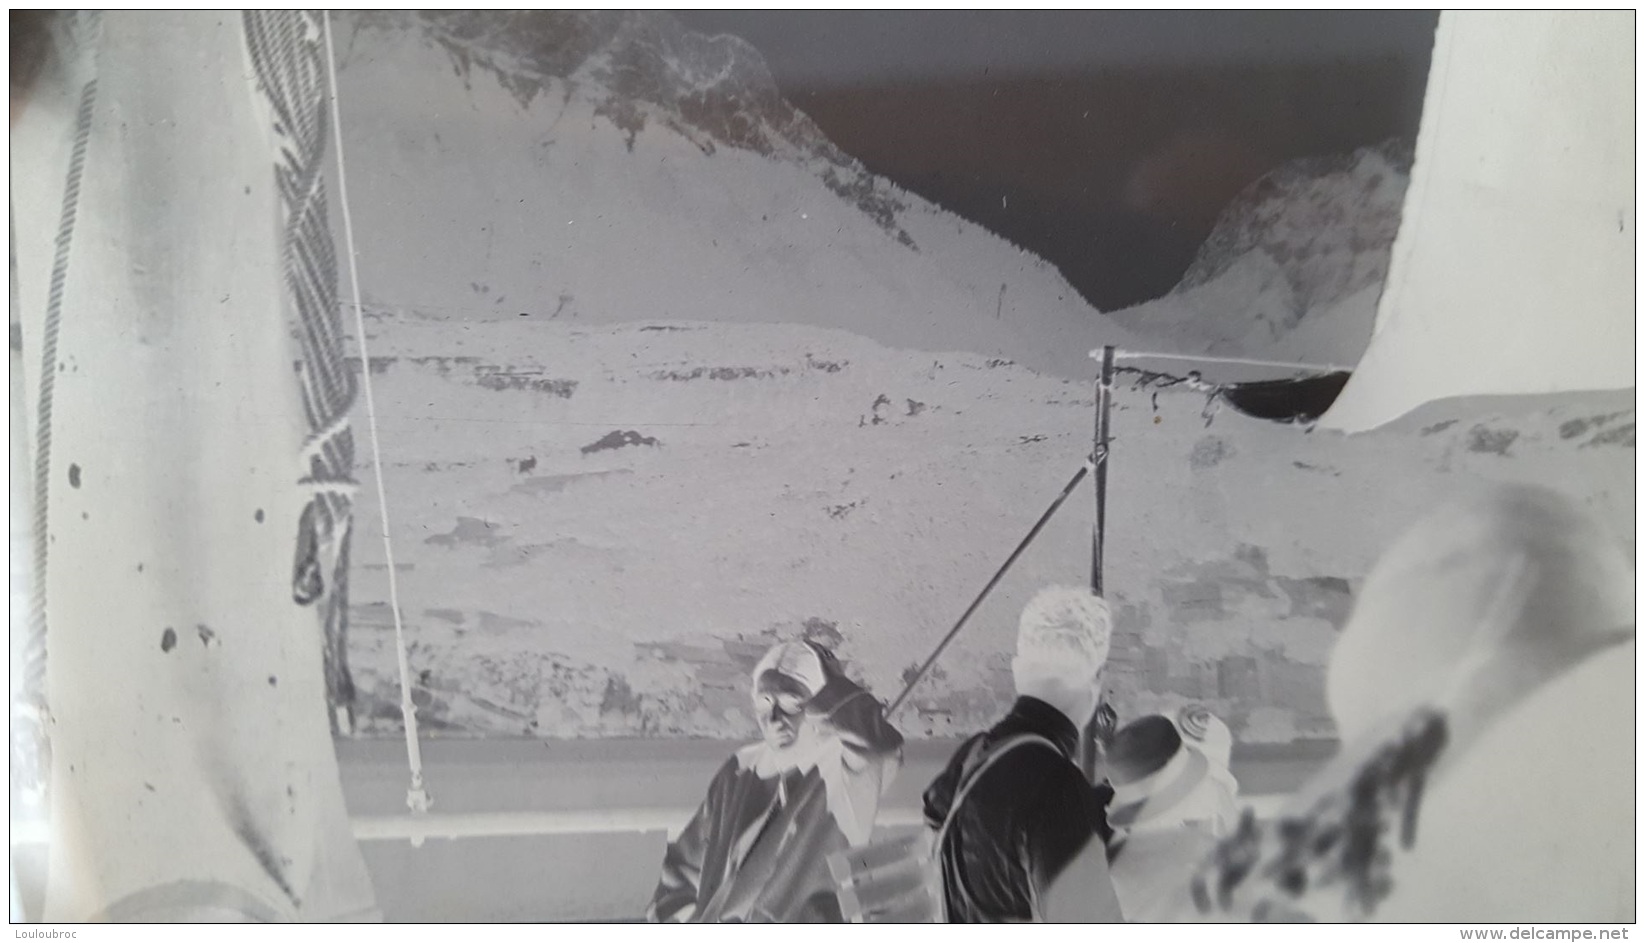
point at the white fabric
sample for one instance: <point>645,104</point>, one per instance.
<point>1211,806</point>
<point>1504,613</point>
<point>191,747</point>
<point>1513,270</point>
<point>1151,874</point>
<point>1535,822</point>
<point>796,660</point>
<point>1514,566</point>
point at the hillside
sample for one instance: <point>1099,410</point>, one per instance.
<point>1294,268</point>
<point>634,172</point>
<point>599,529</point>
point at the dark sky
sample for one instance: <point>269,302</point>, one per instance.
<point>1106,142</point>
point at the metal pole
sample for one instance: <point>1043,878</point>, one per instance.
<point>1229,361</point>
<point>1105,389</point>
<point>1089,747</point>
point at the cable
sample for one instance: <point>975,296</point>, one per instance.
<point>1090,464</point>
<point>417,797</point>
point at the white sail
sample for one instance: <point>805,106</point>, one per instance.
<point>193,774</point>
<point>1513,270</point>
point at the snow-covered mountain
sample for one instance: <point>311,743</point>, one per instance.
<point>641,68</point>
<point>661,376</point>
<point>608,168</point>
<point>1294,267</point>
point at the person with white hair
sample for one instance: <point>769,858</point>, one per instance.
<point>756,851</point>
<point>1026,833</point>
<point>1484,692</point>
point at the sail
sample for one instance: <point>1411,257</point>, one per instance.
<point>1513,270</point>
<point>1302,399</point>
<point>192,768</point>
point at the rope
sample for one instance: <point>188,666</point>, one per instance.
<point>284,52</point>
<point>1090,464</point>
<point>417,798</point>
<point>317,443</point>
<point>346,489</point>
<point>34,683</point>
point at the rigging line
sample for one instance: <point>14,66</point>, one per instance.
<point>1091,463</point>
<point>417,797</point>
<point>1160,380</point>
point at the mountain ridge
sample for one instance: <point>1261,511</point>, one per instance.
<point>1295,265</point>
<point>644,67</point>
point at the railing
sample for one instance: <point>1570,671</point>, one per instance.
<point>460,825</point>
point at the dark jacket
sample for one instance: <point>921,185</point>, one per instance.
<point>757,849</point>
<point>1022,823</point>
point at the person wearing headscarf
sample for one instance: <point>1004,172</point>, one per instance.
<point>1173,799</point>
<point>1484,692</point>
<point>756,850</point>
